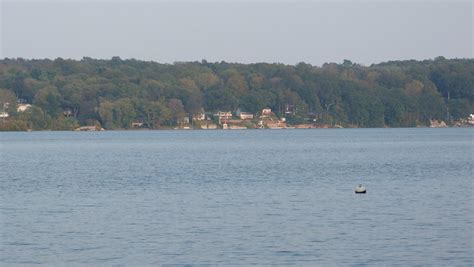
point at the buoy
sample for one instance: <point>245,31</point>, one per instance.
<point>360,190</point>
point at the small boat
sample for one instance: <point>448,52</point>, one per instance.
<point>360,189</point>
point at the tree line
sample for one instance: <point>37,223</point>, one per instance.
<point>113,93</point>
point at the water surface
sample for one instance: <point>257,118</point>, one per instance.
<point>278,197</point>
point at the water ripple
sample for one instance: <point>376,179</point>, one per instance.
<point>250,198</point>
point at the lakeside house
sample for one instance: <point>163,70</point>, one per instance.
<point>183,120</point>
<point>199,116</point>
<point>243,115</point>
<point>20,107</point>
<point>223,115</point>
<point>246,116</point>
<point>23,107</point>
<point>266,112</point>
<point>67,112</point>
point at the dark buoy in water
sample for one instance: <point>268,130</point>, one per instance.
<point>360,190</point>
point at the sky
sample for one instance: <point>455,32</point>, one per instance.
<point>288,32</point>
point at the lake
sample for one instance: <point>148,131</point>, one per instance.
<point>241,197</point>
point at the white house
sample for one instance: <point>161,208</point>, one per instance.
<point>470,119</point>
<point>266,112</point>
<point>22,107</point>
<point>199,117</point>
<point>223,114</point>
<point>245,116</point>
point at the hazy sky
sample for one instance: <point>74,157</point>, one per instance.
<point>237,31</point>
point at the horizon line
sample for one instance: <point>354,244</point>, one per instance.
<point>234,62</point>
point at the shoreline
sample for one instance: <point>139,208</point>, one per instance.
<point>237,130</point>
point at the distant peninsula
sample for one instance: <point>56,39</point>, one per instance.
<point>97,94</point>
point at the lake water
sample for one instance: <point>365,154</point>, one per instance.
<point>266,197</point>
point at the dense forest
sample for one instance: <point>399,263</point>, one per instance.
<point>113,94</point>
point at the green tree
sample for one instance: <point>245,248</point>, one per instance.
<point>220,99</point>
<point>176,108</point>
<point>156,113</point>
<point>106,114</point>
<point>36,118</point>
<point>48,99</point>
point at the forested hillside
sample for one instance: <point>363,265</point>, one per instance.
<point>64,94</point>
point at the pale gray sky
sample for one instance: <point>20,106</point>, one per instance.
<point>238,31</point>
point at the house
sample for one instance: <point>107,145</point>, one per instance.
<point>22,107</point>
<point>470,119</point>
<point>67,112</point>
<point>266,112</point>
<point>199,117</point>
<point>223,115</point>
<point>245,115</point>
